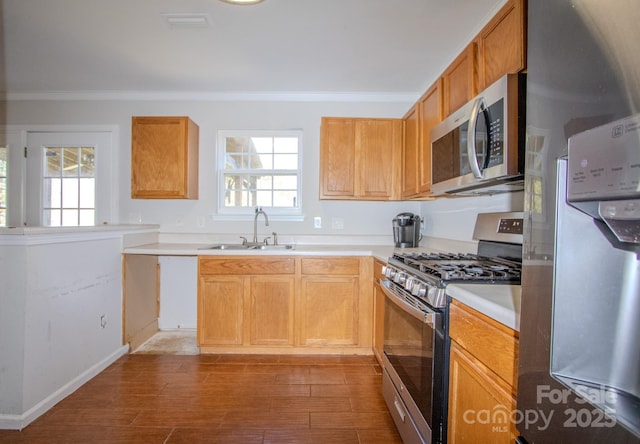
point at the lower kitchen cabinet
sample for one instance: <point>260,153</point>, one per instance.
<point>329,302</point>
<point>245,301</point>
<point>482,378</point>
<point>378,311</point>
<point>271,310</point>
<point>284,304</point>
<point>329,310</point>
<point>220,310</point>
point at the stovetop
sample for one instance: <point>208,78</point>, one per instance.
<point>498,261</point>
<point>443,268</point>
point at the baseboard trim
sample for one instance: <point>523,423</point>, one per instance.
<point>19,422</point>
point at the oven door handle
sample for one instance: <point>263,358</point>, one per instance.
<point>403,302</point>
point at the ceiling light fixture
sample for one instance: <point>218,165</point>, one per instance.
<point>242,2</point>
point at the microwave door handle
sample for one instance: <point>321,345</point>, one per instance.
<point>471,137</point>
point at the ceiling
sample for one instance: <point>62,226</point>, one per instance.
<point>390,47</point>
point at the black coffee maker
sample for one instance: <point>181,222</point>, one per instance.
<point>406,230</point>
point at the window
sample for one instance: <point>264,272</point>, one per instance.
<point>4,163</point>
<point>259,168</point>
<point>69,178</point>
<point>69,186</point>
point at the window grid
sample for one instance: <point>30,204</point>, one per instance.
<point>4,171</point>
<point>260,169</point>
<point>69,186</point>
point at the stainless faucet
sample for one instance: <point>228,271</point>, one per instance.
<point>255,223</point>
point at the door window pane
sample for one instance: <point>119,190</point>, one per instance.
<point>4,159</point>
<point>69,186</point>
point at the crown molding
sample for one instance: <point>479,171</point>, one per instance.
<point>194,96</point>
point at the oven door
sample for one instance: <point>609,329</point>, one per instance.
<point>415,358</point>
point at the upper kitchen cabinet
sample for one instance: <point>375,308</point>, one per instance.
<point>502,44</point>
<point>360,159</point>
<point>430,106</point>
<point>418,122</point>
<point>164,158</point>
<point>459,83</point>
<point>411,146</point>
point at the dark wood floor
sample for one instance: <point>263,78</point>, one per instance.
<point>221,399</point>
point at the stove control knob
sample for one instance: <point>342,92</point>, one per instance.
<point>389,272</point>
<point>400,278</point>
<point>409,284</point>
<point>419,289</point>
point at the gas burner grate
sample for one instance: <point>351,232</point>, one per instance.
<point>458,267</point>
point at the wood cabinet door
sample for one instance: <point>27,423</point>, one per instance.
<point>272,310</point>
<point>329,310</point>
<point>337,158</point>
<point>492,343</point>
<point>502,44</point>
<point>221,310</point>
<point>430,115</point>
<point>378,311</point>
<point>411,147</point>
<point>378,158</point>
<point>480,403</point>
<point>459,80</point>
<point>164,158</point>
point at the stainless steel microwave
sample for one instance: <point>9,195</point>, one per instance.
<point>479,149</point>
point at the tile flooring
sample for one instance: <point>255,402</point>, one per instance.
<point>161,398</point>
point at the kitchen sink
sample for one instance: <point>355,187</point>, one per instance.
<point>246,247</point>
<point>225,247</point>
<point>273,247</point>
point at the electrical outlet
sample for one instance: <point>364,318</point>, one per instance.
<point>337,223</point>
<point>103,321</point>
<point>200,221</point>
<point>317,222</point>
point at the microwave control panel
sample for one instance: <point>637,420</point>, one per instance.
<point>604,162</point>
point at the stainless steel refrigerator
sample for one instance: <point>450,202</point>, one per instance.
<point>579,362</point>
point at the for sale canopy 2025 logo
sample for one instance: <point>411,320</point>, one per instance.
<point>500,417</point>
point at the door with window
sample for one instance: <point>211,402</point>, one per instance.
<point>68,179</point>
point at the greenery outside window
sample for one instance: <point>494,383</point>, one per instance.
<point>259,169</point>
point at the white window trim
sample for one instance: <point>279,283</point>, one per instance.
<point>18,214</point>
<point>241,214</point>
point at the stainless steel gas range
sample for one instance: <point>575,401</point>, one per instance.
<point>416,334</point>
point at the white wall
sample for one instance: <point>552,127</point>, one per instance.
<point>454,218</point>
<point>371,218</point>
<point>60,319</point>
<point>12,320</point>
<point>178,292</point>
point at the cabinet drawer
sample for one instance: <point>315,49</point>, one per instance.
<point>246,265</point>
<point>492,343</point>
<point>331,265</point>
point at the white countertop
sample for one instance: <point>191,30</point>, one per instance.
<point>499,302</point>
<point>381,252</point>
